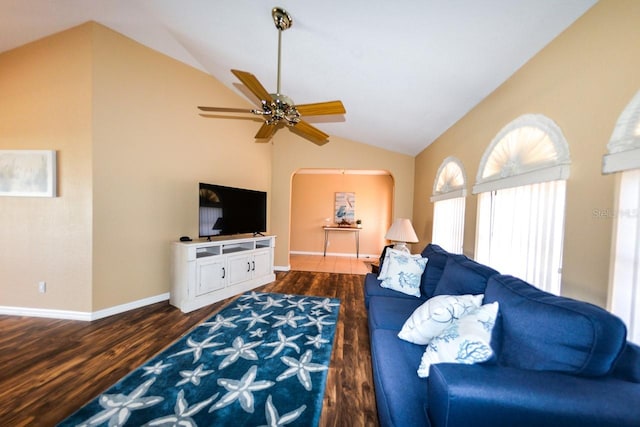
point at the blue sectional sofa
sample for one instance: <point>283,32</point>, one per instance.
<point>556,361</point>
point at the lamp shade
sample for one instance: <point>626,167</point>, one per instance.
<point>402,231</point>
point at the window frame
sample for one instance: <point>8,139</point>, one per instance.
<point>549,162</point>
<point>449,185</point>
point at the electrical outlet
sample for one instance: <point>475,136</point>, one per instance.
<point>42,287</point>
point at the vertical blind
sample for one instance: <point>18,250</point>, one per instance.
<point>623,156</point>
<point>449,193</point>
<point>625,301</point>
<point>448,224</point>
<point>520,232</point>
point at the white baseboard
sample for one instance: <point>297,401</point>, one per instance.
<point>282,267</point>
<point>81,315</point>
<point>341,254</point>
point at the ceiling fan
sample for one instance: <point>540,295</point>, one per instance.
<point>277,108</point>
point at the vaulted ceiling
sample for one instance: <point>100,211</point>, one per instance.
<point>405,70</point>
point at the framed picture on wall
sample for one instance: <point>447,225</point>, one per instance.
<point>28,173</point>
<point>345,208</point>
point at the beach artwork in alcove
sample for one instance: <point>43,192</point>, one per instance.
<point>345,208</point>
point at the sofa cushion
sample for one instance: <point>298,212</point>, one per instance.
<point>390,313</point>
<point>466,341</point>
<point>435,315</point>
<point>498,396</point>
<point>372,288</point>
<point>462,276</point>
<point>433,271</point>
<point>546,332</point>
<point>402,272</point>
<point>401,396</point>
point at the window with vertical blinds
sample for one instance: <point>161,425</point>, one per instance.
<point>625,296</point>
<point>623,157</point>
<point>521,203</point>
<point>449,193</point>
<point>448,224</point>
<point>520,232</point>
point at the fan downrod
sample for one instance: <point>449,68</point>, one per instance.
<point>281,18</point>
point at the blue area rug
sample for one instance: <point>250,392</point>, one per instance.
<point>262,360</point>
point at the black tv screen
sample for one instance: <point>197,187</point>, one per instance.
<point>229,210</point>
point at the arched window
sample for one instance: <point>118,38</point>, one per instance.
<point>449,192</point>
<point>623,156</point>
<point>521,186</point>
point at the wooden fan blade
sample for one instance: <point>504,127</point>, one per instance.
<point>252,83</point>
<point>313,134</point>
<point>266,131</point>
<point>321,108</point>
<point>226,110</point>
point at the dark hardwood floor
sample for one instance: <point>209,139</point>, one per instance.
<point>50,368</point>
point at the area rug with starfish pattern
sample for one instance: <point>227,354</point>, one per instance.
<point>261,361</point>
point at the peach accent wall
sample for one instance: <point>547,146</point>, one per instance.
<point>582,80</point>
<point>313,200</point>
<point>292,153</point>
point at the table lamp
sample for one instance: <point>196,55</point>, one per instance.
<point>401,233</point>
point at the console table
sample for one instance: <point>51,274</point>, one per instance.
<point>354,230</point>
<point>204,272</point>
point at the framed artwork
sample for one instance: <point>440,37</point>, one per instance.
<point>345,211</point>
<point>28,173</point>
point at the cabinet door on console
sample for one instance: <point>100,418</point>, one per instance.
<point>262,264</point>
<point>211,275</point>
<point>239,268</point>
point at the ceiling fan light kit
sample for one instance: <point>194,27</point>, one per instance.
<point>277,108</point>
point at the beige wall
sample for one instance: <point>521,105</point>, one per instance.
<point>313,200</point>
<point>582,81</point>
<point>45,104</point>
<point>151,148</point>
<point>292,153</point>
<point>132,149</point>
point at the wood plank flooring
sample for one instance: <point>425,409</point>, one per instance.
<point>49,368</point>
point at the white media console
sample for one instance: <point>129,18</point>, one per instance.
<point>204,272</point>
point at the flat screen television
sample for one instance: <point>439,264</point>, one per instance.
<point>228,210</point>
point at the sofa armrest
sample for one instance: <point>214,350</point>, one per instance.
<point>628,364</point>
<point>493,396</point>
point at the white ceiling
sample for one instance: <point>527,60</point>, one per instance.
<point>405,70</point>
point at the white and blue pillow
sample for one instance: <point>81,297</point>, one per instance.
<point>437,314</point>
<point>402,272</point>
<point>465,341</point>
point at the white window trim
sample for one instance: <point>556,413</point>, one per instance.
<point>619,162</point>
<point>449,195</point>
<point>623,149</point>
<point>552,173</point>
